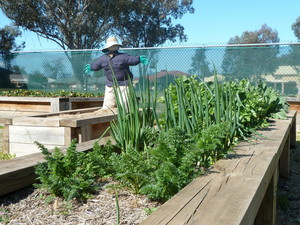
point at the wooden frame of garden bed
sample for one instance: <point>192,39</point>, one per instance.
<point>48,104</point>
<point>19,172</point>
<point>294,104</point>
<point>238,190</point>
<point>53,130</point>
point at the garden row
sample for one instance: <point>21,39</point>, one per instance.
<point>158,153</point>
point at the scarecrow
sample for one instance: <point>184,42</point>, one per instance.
<point>116,67</point>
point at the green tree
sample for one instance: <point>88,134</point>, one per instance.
<point>55,69</point>
<point>292,58</point>
<point>37,80</point>
<point>296,28</point>
<point>251,61</point>
<point>8,35</point>
<point>70,24</point>
<point>147,23</point>
<point>86,24</point>
<point>200,66</point>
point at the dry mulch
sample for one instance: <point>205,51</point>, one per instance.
<point>37,207</point>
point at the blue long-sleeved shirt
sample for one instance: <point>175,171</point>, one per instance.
<point>117,66</point>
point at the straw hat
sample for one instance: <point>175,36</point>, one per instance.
<point>111,42</point>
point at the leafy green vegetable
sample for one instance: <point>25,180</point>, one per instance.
<point>38,93</point>
<point>71,175</point>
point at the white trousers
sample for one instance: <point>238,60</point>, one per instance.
<point>110,98</point>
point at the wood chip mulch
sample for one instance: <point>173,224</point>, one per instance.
<point>37,207</point>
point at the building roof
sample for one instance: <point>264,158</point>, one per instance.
<point>212,78</point>
<point>284,74</point>
<point>287,70</point>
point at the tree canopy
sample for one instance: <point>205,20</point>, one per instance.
<point>86,24</point>
<point>296,28</point>
<point>147,23</point>
<point>71,24</point>
<point>200,65</point>
<point>82,24</point>
<point>8,35</point>
<point>251,61</point>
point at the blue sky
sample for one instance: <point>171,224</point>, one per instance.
<point>214,22</point>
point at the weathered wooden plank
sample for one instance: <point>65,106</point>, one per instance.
<point>235,187</point>
<point>70,112</point>
<point>80,103</point>
<point>5,139</point>
<point>284,161</point>
<point>85,133</point>
<point>18,172</point>
<point>48,104</point>
<point>5,120</point>
<point>98,129</point>
<point>23,149</point>
<point>68,135</point>
<point>267,210</point>
<point>55,104</point>
<point>45,135</point>
<point>25,106</point>
<point>86,99</point>
<point>36,121</point>
<point>293,132</point>
<point>29,99</point>
<point>79,122</point>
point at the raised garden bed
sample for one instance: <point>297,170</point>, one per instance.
<point>54,129</point>
<point>240,189</point>
<point>18,172</point>
<point>294,104</point>
<point>46,104</point>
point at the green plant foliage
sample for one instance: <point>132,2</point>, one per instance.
<point>213,143</point>
<point>158,156</point>
<point>71,175</point>
<point>192,104</point>
<point>174,162</point>
<point>5,156</point>
<point>135,121</point>
<point>4,216</point>
<point>100,158</point>
<point>131,168</point>
<point>38,93</point>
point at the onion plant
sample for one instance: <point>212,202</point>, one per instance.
<point>136,118</point>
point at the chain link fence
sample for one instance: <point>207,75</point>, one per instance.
<point>276,64</point>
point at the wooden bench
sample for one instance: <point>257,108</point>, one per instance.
<point>238,190</point>
<point>19,172</point>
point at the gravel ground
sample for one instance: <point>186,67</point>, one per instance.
<point>288,195</point>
